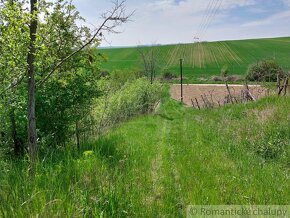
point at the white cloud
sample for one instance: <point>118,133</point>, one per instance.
<point>238,3</point>
<point>270,20</point>
<point>174,21</point>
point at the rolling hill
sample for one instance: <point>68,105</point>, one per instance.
<point>204,58</point>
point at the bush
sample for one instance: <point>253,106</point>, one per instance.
<point>168,75</point>
<point>58,112</point>
<point>120,77</point>
<point>104,73</point>
<point>135,97</point>
<point>264,71</point>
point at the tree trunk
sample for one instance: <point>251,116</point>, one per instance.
<point>32,136</point>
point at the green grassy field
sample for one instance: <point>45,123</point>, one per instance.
<point>156,165</point>
<point>203,59</point>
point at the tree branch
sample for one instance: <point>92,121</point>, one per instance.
<point>117,15</point>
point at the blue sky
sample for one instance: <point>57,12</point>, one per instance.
<point>179,21</point>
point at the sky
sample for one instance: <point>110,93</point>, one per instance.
<point>186,21</point>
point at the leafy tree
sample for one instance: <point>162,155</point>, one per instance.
<point>51,54</point>
<point>13,48</point>
<point>266,70</point>
<point>76,90</point>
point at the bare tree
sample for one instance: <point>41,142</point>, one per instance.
<point>149,61</point>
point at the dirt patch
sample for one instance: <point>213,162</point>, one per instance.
<point>214,94</point>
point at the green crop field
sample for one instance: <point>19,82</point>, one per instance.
<point>203,59</point>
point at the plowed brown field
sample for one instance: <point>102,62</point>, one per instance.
<point>213,93</point>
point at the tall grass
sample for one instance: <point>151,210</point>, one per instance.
<point>156,165</point>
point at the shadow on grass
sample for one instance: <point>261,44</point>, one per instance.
<point>109,149</point>
<point>163,116</point>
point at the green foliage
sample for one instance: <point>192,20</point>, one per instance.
<point>58,36</point>
<point>120,77</point>
<point>264,71</point>
<point>168,75</point>
<point>146,165</point>
<point>14,38</point>
<point>58,111</point>
<point>64,102</point>
<point>133,98</point>
<point>67,96</point>
<point>158,164</point>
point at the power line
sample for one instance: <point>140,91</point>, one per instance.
<point>204,18</point>
<point>208,13</point>
<point>215,10</point>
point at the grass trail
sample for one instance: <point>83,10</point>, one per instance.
<point>156,165</point>
<point>196,159</point>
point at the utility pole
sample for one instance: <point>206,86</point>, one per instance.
<point>181,79</point>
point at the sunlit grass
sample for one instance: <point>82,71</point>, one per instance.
<point>156,165</point>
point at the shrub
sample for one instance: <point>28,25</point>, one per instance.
<point>168,75</point>
<point>264,71</point>
<point>139,73</point>
<point>59,111</point>
<point>104,73</point>
<point>120,77</point>
<point>135,97</point>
